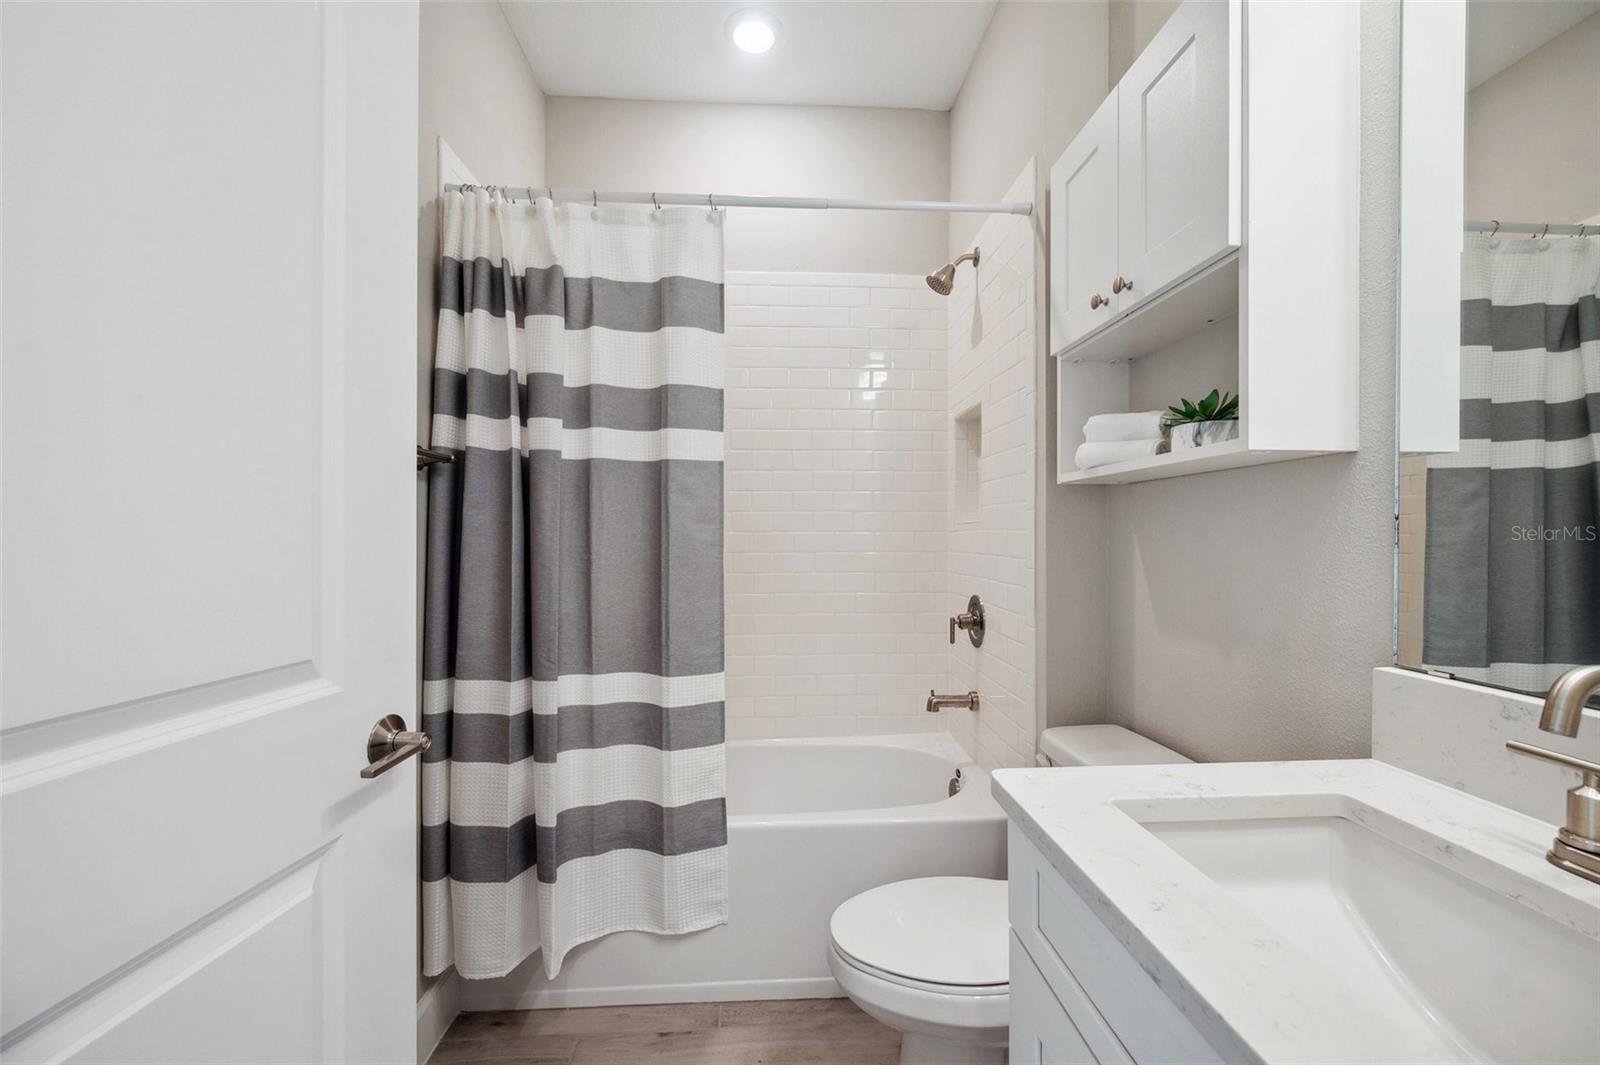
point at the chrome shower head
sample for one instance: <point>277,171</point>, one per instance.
<point>943,280</point>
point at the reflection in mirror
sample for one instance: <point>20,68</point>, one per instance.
<point>1499,515</point>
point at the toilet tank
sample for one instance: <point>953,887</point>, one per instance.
<point>1102,745</point>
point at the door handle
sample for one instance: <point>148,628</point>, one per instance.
<point>1097,301</point>
<point>389,744</point>
<point>1119,286</point>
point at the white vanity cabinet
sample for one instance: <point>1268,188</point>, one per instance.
<point>1076,994</point>
<point>1042,1032</point>
<point>1205,233</point>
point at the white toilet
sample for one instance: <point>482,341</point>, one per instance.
<point>930,956</point>
<point>1103,745</point>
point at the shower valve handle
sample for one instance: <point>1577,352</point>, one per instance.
<point>971,622</point>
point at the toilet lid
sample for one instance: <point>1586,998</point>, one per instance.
<point>938,930</point>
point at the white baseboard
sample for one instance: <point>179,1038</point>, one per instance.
<point>437,1007</point>
<point>468,1001</point>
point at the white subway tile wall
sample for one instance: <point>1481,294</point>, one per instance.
<point>837,497</point>
<point>991,367</point>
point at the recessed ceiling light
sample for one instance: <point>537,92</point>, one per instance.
<point>753,31</point>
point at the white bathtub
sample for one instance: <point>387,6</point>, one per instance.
<point>810,823</point>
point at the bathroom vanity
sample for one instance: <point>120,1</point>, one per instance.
<point>1289,911</point>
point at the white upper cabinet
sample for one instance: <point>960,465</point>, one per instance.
<point>1084,191</point>
<point>1213,198</point>
<point>1177,207</point>
<point>1150,189</point>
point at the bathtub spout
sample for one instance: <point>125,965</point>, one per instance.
<point>938,702</point>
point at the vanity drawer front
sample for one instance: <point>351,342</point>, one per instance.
<point>1083,963</point>
<point>1042,1033</point>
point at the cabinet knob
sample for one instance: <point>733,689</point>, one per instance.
<point>1097,301</point>
<point>1119,285</point>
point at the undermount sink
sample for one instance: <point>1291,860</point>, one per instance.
<point>1464,966</point>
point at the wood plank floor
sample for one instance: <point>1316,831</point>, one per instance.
<point>819,1031</point>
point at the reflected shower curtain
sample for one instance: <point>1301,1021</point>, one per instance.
<point>1511,570</point>
<point>573,626</point>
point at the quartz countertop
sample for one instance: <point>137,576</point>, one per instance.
<point>1252,993</point>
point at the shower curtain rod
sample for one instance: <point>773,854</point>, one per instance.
<point>717,199</point>
<point>1536,229</point>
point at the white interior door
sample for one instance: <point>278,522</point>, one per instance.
<point>1083,229</point>
<point>1178,150</point>
<point>209,398</point>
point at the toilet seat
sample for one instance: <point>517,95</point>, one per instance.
<point>943,934</point>
<point>928,1009</point>
<point>919,985</point>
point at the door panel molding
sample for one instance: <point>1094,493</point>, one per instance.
<point>64,1030</point>
<point>31,753</point>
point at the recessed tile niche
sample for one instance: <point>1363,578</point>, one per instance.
<point>965,460</point>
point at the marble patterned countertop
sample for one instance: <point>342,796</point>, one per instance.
<point>1247,989</point>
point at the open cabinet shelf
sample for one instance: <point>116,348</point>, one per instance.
<point>1228,455</point>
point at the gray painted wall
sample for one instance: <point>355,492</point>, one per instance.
<point>1533,134</point>
<point>1132,24</point>
<point>772,150</point>
<point>1038,76</point>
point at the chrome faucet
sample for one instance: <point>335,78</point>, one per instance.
<point>1577,844</point>
<point>938,702</point>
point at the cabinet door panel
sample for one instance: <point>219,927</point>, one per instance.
<point>1083,229</point>
<point>1041,1031</point>
<point>1176,151</point>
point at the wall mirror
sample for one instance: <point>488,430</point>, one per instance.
<point>1498,496</point>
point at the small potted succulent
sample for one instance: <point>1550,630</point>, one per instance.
<point>1211,421</point>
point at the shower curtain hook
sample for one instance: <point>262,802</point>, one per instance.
<point>1542,235</point>
<point>1496,228</point>
<point>596,194</point>
<point>711,200</point>
<point>655,201</point>
<point>1583,229</point>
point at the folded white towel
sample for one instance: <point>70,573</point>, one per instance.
<point>1136,425</point>
<point>1102,453</point>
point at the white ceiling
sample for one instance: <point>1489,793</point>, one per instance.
<point>1500,32</point>
<point>880,53</point>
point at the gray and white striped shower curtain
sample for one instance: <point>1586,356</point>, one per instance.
<point>1511,570</point>
<point>573,628</point>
